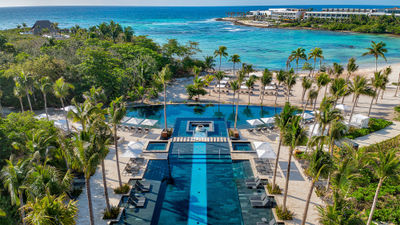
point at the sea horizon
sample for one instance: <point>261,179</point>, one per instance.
<point>262,47</point>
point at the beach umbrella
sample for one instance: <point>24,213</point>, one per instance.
<point>70,108</point>
<point>264,150</point>
<point>61,124</point>
<point>125,119</point>
<point>149,122</point>
<point>134,121</point>
<point>132,150</point>
<point>343,107</point>
<point>308,116</point>
<point>254,122</point>
<point>268,120</point>
<point>40,116</point>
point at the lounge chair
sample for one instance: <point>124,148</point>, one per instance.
<point>250,130</point>
<point>143,187</point>
<point>137,201</point>
<point>261,203</point>
<point>146,130</point>
<point>258,197</point>
<point>253,183</point>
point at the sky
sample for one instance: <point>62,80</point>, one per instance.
<point>7,3</point>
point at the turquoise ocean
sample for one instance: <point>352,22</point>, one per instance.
<point>264,48</point>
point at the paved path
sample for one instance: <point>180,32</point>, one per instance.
<point>379,136</point>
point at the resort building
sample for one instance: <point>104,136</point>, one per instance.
<point>279,13</point>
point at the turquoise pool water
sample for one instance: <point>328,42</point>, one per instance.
<point>156,146</point>
<point>242,146</point>
<point>226,112</point>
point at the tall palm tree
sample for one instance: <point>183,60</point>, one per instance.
<point>281,78</point>
<point>51,210</point>
<point>351,68</point>
<point>87,158</point>
<point>116,112</point>
<point>250,84</point>
<point>314,54</point>
<point>165,76</point>
<point>128,34</point>
<point>26,83</point>
<point>358,87</point>
<point>235,86</point>
<point>337,69</point>
<point>221,52</point>
<point>327,114</point>
<point>209,62</point>
<point>44,85</point>
<point>247,69</point>
<point>338,89</point>
<point>320,165</point>
<point>385,164</point>
<point>312,95</point>
<point>266,79</point>
<point>281,121</point>
<point>294,135</point>
<point>219,75</point>
<point>323,80</point>
<point>240,79</point>
<point>18,92</point>
<point>386,72</point>
<point>377,50</point>
<point>299,53</point>
<point>61,91</point>
<point>115,30</point>
<point>14,178</point>
<point>376,82</point>
<point>397,86</point>
<point>235,58</point>
<point>290,82</point>
<point>306,83</point>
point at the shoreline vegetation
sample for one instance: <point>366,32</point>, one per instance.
<point>363,25</point>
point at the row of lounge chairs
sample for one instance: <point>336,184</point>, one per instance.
<point>134,129</point>
<point>134,166</point>
<point>264,167</point>
<point>258,200</point>
<point>222,91</point>
<point>309,121</point>
<point>265,130</point>
<point>136,200</point>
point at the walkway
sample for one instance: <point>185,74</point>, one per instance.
<point>379,136</point>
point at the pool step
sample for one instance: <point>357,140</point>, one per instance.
<point>199,139</point>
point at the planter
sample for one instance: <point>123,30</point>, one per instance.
<point>164,134</point>
<point>234,134</point>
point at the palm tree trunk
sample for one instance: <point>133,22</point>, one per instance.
<point>397,88</point>
<point>352,109</point>
<point>326,89</point>
<point>383,92</point>
<point>165,108</point>
<point>377,96</point>
<point>315,61</point>
<point>376,64</point>
<point>22,105</point>
<point>249,98</point>
<point>370,106</point>
<point>89,196</point>
<point>276,95</point>
<point>287,179</point>
<point>237,109</point>
<point>29,99</point>
<point>45,105</point>
<point>302,95</point>
<point>262,97</point>
<point>234,74</point>
<point>219,91</point>
<point>116,154</point>
<point>375,201</point>
<point>65,113</point>
<point>308,202</point>
<point>288,94</point>
<point>233,100</point>
<point>21,202</point>
<point>277,160</point>
<point>105,185</point>
<point>220,62</point>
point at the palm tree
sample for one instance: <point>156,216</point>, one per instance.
<point>358,87</point>
<point>281,121</point>
<point>322,80</point>
<point>209,62</point>
<point>294,135</point>
<point>327,114</point>
<point>234,59</point>
<point>281,78</point>
<point>385,164</point>
<point>51,210</point>
<point>306,83</point>
<point>386,72</point>
<point>18,92</point>
<point>376,82</point>
<point>239,81</point>
<point>128,34</point>
<point>235,86</point>
<point>221,52</point>
<point>397,86</point>
<point>165,76</point>
<point>61,90</point>
<point>116,113</point>
<point>266,79</point>
<point>312,95</point>
<point>298,54</point>
<point>320,165</point>
<point>219,76</point>
<point>338,89</point>
<point>290,82</point>
<point>377,50</point>
<point>314,54</point>
<point>44,85</point>
<point>26,82</point>
<point>250,84</point>
<point>115,30</point>
<point>87,158</point>
<point>14,178</point>
<point>247,69</point>
<point>351,68</point>
<point>337,69</point>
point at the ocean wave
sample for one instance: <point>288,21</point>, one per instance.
<point>168,24</point>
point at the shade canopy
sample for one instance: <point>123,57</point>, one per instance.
<point>149,122</point>
<point>134,121</point>
<point>269,88</point>
<point>70,108</point>
<point>343,107</point>
<point>132,150</point>
<point>264,150</point>
<point>308,116</point>
<point>268,120</point>
<point>61,124</point>
<point>41,116</point>
<point>255,122</point>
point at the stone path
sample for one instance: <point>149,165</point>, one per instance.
<point>380,135</point>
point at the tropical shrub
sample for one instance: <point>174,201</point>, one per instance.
<point>284,214</point>
<point>112,214</point>
<point>122,190</point>
<point>373,125</point>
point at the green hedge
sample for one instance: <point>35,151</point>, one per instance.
<point>373,125</point>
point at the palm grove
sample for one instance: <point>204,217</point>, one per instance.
<point>100,68</point>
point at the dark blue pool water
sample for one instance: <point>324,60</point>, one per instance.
<point>226,112</point>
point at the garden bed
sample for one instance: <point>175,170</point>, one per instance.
<point>373,126</point>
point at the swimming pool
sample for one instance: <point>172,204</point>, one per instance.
<point>156,146</point>
<point>242,146</point>
<point>226,112</point>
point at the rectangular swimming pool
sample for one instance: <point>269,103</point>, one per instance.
<point>242,146</point>
<point>157,146</point>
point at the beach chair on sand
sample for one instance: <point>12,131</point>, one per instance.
<point>264,202</point>
<point>137,201</point>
